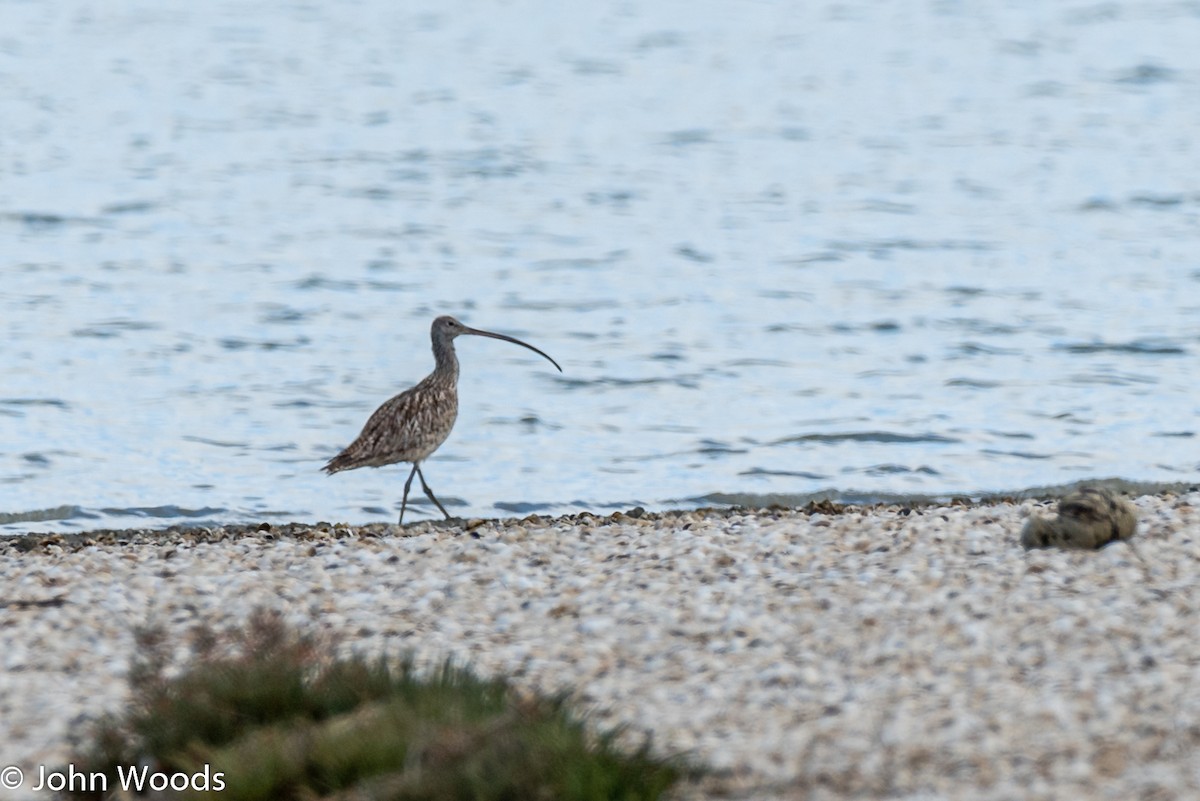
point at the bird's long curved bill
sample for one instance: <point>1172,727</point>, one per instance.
<point>479,333</point>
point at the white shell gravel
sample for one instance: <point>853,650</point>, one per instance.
<point>873,653</point>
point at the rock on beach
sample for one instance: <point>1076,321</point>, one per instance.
<point>832,653</point>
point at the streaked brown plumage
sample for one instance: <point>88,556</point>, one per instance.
<point>412,425</point>
<point>1089,517</point>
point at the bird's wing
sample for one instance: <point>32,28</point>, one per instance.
<point>405,428</point>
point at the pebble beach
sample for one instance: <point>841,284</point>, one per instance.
<point>829,653</point>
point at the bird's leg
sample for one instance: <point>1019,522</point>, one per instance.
<point>429,492</point>
<point>407,484</point>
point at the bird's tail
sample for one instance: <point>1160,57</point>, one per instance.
<point>340,462</point>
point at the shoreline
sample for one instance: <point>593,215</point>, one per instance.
<point>711,503</point>
<point>841,651</point>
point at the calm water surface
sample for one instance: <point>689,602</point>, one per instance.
<point>779,249</point>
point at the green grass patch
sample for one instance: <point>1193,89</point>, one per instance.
<point>264,713</point>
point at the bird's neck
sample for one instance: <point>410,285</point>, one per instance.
<point>446,359</point>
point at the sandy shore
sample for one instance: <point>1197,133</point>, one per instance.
<point>857,653</point>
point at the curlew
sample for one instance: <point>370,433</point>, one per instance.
<point>416,422</point>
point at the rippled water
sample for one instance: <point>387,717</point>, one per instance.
<point>779,249</point>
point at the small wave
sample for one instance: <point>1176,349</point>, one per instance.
<point>216,442</point>
<point>1150,347</point>
<point>110,329</point>
<point>42,515</point>
<point>321,282</point>
<point>1145,75</point>
<point>164,512</point>
<point>711,447</point>
<point>759,471</point>
<point>972,383</point>
<point>800,499</point>
<point>867,436</point>
<point>43,219</point>
<point>979,349</point>
<point>857,498</point>
<point>883,245</point>
<point>684,380</point>
<point>130,207</point>
<point>60,404</point>
<point>238,343</point>
<point>523,508</point>
<point>897,469</point>
<point>1017,454</point>
<point>1112,379</point>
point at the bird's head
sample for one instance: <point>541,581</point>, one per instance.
<point>446,328</point>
